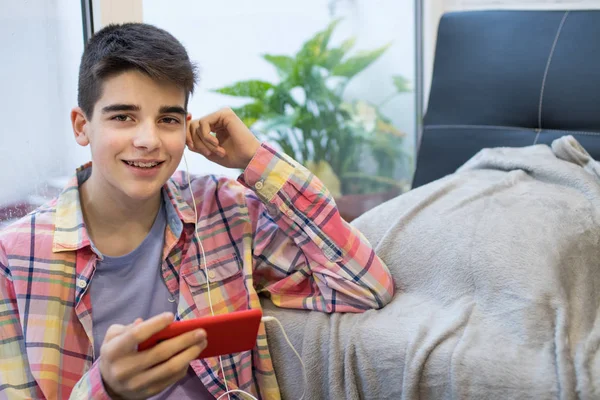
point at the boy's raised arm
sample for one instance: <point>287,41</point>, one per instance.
<point>305,254</point>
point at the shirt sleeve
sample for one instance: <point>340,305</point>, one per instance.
<point>16,380</point>
<point>306,255</point>
<point>90,386</point>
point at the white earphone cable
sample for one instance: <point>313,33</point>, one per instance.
<point>203,259</point>
<point>264,319</point>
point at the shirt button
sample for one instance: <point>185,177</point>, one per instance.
<point>81,283</point>
<point>290,213</point>
<point>211,274</point>
<point>258,185</point>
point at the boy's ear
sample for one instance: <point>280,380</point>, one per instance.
<point>188,118</point>
<point>79,122</point>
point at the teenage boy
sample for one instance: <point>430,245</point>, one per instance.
<point>87,277</point>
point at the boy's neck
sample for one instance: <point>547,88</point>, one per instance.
<point>116,226</point>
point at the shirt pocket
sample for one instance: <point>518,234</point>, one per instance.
<point>226,282</point>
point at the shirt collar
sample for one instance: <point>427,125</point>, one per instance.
<point>70,233</point>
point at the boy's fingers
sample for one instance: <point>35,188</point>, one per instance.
<point>113,331</point>
<point>203,136</point>
<point>198,143</point>
<point>143,370</point>
<point>128,341</point>
<point>163,351</point>
<point>199,148</point>
<point>173,369</point>
<point>135,323</point>
<point>226,119</point>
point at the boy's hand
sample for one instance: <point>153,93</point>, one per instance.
<point>129,374</point>
<point>234,144</point>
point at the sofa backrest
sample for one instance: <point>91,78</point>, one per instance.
<point>510,78</point>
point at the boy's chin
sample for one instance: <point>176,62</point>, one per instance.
<point>142,191</point>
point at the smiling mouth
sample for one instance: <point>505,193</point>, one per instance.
<point>145,165</point>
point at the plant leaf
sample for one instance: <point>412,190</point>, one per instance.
<point>251,88</point>
<point>356,64</point>
<point>333,57</point>
<point>279,99</point>
<point>315,46</point>
<point>284,64</point>
<point>402,84</point>
<point>328,31</point>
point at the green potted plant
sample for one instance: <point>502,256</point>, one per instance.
<point>350,145</point>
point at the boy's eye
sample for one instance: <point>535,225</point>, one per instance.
<point>170,120</point>
<point>121,118</point>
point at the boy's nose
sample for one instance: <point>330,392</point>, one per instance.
<point>147,137</point>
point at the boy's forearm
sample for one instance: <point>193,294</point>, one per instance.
<point>339,254</point>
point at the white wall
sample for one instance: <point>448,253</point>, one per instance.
<point>227,37</point>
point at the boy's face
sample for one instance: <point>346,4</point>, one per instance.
<point>137,135</point>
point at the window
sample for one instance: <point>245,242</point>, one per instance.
<point>344,106</point>
<point>350,119</point>
<point>43,44</point>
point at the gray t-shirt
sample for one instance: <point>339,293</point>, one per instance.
<point>131,286</point>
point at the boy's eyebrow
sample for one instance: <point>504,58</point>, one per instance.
<point>120,107</point>
<point>133,107</point>
<point>172,110</point>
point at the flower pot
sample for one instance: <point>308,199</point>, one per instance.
<point>354,205</point>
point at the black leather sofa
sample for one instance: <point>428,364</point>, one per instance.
<point>510,78</point>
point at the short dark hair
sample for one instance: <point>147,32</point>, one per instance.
<point>132,46</point>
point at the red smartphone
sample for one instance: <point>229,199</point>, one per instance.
<point>226,333</point>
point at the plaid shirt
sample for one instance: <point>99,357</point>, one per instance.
<point>277,231</point>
